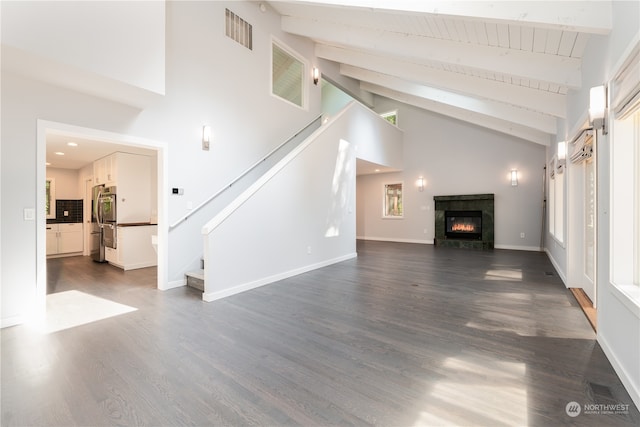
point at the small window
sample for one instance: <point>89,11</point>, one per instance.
<point>391,117</point>
<point>556,201</point>
<point>393,201</point>
<point>288,76</point>
<point>50,198</point>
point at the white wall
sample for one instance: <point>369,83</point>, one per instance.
<point>333,99</point>
<point>314,223</point>
<point>106,48</point>
<point>455,158</point>
<point>210,79</point>
<point>67,183</point>
<point>618,319</point>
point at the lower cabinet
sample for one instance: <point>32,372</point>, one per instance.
<point>133,247</point>
<point>63,239</point>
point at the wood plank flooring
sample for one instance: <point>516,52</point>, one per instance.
<point>403,335</point>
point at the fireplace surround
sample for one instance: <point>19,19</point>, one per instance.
<point>464,221</point>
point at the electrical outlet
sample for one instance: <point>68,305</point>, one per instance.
<point>522,235</point>
<point>424,231</point>
<point>308,249</point>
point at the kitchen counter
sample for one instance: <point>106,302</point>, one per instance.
<point>133,249</point>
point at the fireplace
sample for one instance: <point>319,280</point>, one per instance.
<point>464,221</point>
<point>463,225</point>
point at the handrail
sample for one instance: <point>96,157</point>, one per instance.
<point>239,177</point>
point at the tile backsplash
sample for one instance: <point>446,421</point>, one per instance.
<point>72,208</point>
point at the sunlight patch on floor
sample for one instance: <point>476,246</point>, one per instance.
<point>503,274</point>
<point>74,308</point>
<point>478,392</point>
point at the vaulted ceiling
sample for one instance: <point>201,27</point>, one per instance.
<point>505,65</point>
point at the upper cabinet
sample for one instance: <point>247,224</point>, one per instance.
<point>103,171</point>
<point>131,175</point>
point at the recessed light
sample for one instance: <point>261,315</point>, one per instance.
<point>72,144</point>
<point>48,164</point>
<point>59,153</point>
<point>377,170</point>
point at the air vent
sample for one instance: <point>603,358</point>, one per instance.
<point>238,29</point>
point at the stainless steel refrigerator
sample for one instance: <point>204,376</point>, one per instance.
<point>97,240</point>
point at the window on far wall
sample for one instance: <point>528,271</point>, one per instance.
<point>288,75</point>
<point>555,201</point>
<point>391,117</point>
<point>393,200</point>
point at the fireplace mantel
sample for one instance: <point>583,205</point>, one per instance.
<point>465,202</point>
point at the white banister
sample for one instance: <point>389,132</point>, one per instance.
<point>242,175</point>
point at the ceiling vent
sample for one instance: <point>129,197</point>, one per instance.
<point>238,29</point>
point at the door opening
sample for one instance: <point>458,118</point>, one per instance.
<point>106,141</point>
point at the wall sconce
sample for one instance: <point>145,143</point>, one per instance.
<point>206,137</point>
<point>562,156</point>
<point>598,108</point>
<point>316,76</point>
<point>514,177</point>
<point>420,183</point>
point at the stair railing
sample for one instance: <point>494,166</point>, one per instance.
<point>316,121</point>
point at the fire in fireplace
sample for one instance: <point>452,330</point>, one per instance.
<point>463,225</point>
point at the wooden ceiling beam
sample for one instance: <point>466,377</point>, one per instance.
<point>557,70</point>
<point>593,17</point>
<point>479,119</point>
<point>520,96</point>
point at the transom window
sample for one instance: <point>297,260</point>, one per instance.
<point>391,117</point>
<point>288,76</point>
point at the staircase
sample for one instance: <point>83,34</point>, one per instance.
<point>195,279</point>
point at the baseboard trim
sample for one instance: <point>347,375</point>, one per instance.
<point>557,267</point>
<point>629,385</point>
<point>7,322</point>
<point>174,284</point>
<point>519,248</point>
<point>394,239</point>
<point>213,296</point>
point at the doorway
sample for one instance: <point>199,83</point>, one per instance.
<point>111,141</point>
<point>582,226</point>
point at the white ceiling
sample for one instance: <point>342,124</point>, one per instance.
<point>85,152</point>
<point>503,65</point>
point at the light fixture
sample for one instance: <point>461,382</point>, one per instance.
<point>59,153</point>
<point>206,137</point>
<point>316,76</point>
<point>598,108</point>
<point>420,183</point>
<point>72,144</point>
<point>514,177</point>
<point>562,156</point>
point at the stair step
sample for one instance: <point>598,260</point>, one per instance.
<point>195,279</point>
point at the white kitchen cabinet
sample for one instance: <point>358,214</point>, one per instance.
<point>131,175</point>
<point>103,171</point>
<point>133,248</point>
<point>64,239</point>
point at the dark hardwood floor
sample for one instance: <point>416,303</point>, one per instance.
<point>404,335</point>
